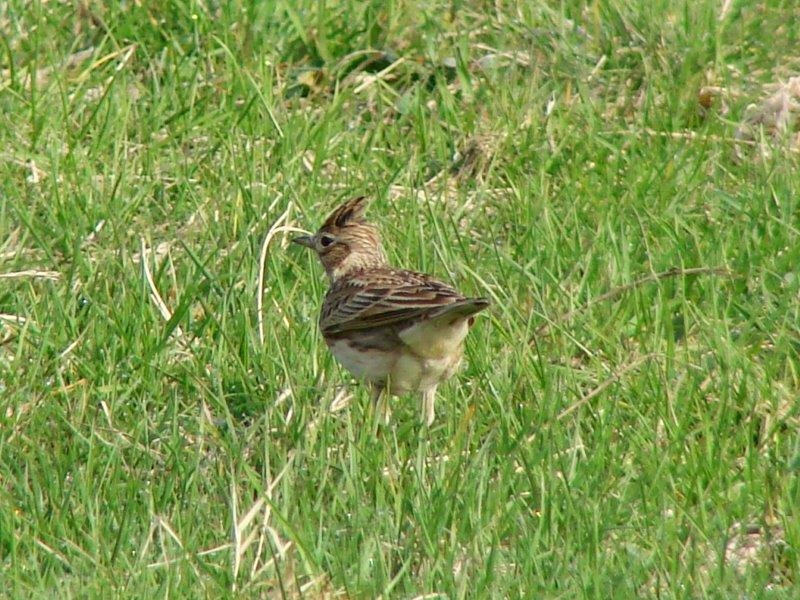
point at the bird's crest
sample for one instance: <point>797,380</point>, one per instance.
<point>348,213</point>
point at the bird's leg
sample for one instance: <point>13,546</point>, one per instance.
<point>428,410</point>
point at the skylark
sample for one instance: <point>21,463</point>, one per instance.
<point>400,331</point>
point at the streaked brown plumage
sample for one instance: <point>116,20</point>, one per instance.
<point>399,330</point>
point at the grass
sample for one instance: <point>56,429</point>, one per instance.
<point>625,425</point>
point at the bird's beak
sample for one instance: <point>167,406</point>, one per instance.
<point>304,240</point>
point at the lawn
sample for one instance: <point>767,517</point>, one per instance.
<point>625,424</point>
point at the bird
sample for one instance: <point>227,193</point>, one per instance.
<point>398,330</point>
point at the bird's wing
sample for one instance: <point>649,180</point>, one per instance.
<point>377,298</point>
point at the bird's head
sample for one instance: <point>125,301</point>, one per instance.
<point>346,241</point>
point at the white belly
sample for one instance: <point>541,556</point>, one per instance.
<point>412,367</point>
<point>372,366</point>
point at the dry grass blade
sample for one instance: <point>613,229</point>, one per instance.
<point>546,328</point>
<point>683,135</point>
<point>53,552</point>
<point>155,296</point>
<point>13,319</point>
<point>616,376</point>
<point>33,274</point>
<point>242,539</point>
<point>370,80</point>
<point>240,543</point>
<point>724,10</point>
<point>42,75</point>
<point>282,548</point>
<point>276,228</point>
<point>177,333</point>
<point>164,524</point>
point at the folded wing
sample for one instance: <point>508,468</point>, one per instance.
<point>388,296</point>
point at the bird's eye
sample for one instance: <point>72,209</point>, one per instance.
<point>326,240</point>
